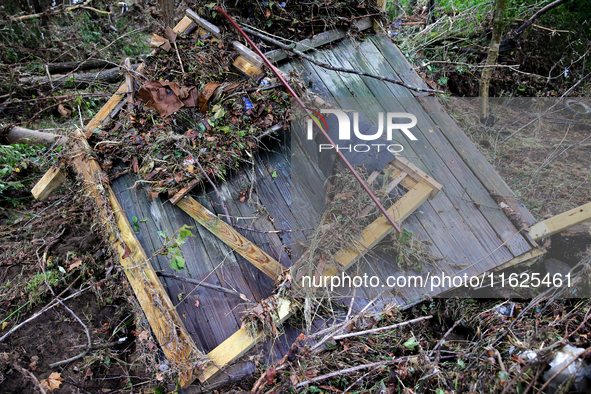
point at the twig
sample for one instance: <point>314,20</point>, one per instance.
<point>29,374</point>
<point>49,76</point>
<point>179,56</point>
<point>204,284</point>
<point>531,20</point>
<point>344,371</point>
<point>438,346</point>
<point>358,380</point>
<point>374,330</point>
<point>49,306</point>
<point>338,69</point>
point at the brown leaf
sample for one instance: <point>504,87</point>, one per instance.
<point>268,13</point>
<point>142,336</point>
<point>271,372</point>
<point>179,177</point>
<point>33,364</point>
<point>135,165</point>
<point>153,195</point>
<point>208,91</point>
<point>52,382</point>
<point>75,264</point>
<point>311,373</point>
<point>243,195</point>
<point>127,252</point>
<point>169,34</point>
<point>159,42</point>
<point>196,303</point>
<point>66,113</point>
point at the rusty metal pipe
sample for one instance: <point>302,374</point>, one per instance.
<point>324,133</point>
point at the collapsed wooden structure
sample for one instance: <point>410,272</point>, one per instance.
<point>472,233</point>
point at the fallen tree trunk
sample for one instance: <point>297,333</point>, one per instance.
<point>83,65</point>
<point>75,81</point>
<point>20,135</point>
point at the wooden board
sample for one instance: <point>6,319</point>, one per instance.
<point>210,27</point>
<point>376,231</point>
<point>318,40</point>
<point>231,237</point>
<point>483,170</point>
<point>165,322</point>
<point>251,56</point>
<point>560,222</point>
<point>238,344</point>
<point>246,67</point>
<point>48,183</point>
<point>489,225</point>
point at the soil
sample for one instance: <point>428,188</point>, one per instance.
<point>80,259</point>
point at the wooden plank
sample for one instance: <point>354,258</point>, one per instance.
<point>377,230</point>
<point>560,222</point>
<point>483,170</point>
<point>231,237</point>
<point>46,185</point>
<point>238,344</point>
<point>213,29</point>
<point>164,320</point>
<point>246,67</point>
<point>318,40</point>
<point>186,25</point>
<point>417,174</point>
<point>532,254</point>
<point>251,56</point>
<point>489,225</point>
<point>404,69</point>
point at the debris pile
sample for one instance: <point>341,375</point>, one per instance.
<point>193,117</point>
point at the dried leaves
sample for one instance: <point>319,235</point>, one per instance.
<point>52,382</point>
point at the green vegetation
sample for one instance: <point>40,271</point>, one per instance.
<point>16,161</point>
<point>172,246</point>
<point>547,59</point>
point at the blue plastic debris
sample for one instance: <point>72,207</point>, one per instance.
<point>247,104</point>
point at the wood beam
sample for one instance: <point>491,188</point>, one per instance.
<point>377,230</point>
<point>560,222</point>
<point>318,40</point>
<point>46,185</point>
<point>239,343</point>
<point>168,328</point>
<point>226,233</point>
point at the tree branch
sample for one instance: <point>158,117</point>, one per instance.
<point>329,67</point>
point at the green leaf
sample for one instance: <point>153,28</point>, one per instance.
<point>136,228</point>
<point>274,174</point>
<point>219,113</point>
<point>411,343</point>
<point>177,263</point>
<point>144,220</point>
<point>461,363</point>
<point>162,234</point>
<point>180,296</point>
<point>185,232</point>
